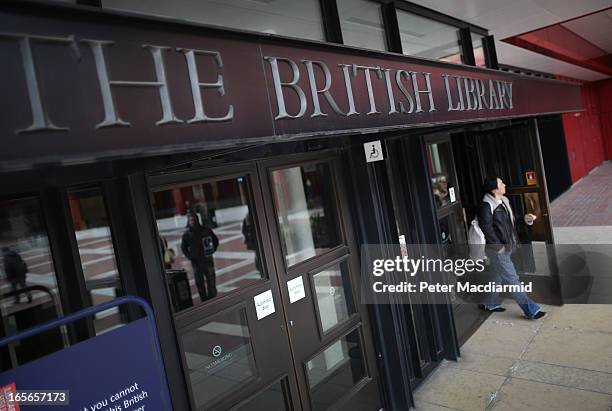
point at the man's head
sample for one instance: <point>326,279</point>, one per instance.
<point>192,220</point>
<point>440,182</point>
<point>494,186</point>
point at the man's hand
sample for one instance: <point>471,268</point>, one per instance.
<point>530,218</point>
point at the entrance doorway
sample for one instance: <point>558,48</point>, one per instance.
<point>513,153</point>
<point>458,164</point>
<point>263,276</point>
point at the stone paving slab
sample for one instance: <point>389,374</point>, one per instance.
<point>587,202</point>
<point>586,317</point>
<point>459,389</point>
<point>513,316</point>
<point>518,395</point>
<point>427,406</point>
<point>587,350</point>
<point>554,363</point>
<point>565,376</point>
<point>500,339</point>
<point>483,363</point>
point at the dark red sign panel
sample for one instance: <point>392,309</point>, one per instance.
<point>78,89</point>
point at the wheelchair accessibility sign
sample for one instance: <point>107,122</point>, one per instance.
<point>373,151</point>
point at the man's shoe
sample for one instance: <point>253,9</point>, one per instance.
<point>499,309</point>
<point>538,315</point>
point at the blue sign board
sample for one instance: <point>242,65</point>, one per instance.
<point>120,370</point>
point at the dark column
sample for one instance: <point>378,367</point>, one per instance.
<point>443,333</point>
<point>66,260</point>
<point>374,223</point>
<point>331,21</point>
<point>554,154</point>
<point>467,51</point>
<point>488,43</point>
<point>392,33</point>
<point>148,276</point>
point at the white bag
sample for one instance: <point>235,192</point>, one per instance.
<point>476,241</point>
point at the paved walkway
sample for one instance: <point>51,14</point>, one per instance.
<point>560,363</point>
<point>563,362</point>
<point>588,202</point>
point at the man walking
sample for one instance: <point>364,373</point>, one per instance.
<point>16,270</point>
<point>198,245</point>
<point>496,221</point>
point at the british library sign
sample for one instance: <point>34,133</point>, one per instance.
<point>95,87</point>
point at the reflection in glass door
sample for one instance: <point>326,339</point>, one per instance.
<point>214,246</point>
<point>208,239</point>
<point>29,287</point>
<point>97,255</point>
<point>219,357</point>
<point>451,219</point>
<point>227,242</point>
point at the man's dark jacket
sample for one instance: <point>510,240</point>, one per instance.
<point>191,243</point>
<point>498,225</point>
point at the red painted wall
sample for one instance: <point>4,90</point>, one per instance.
<point>605,104</point>
<point>588,134</point>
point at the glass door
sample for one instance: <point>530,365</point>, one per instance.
<point>222,285</point>
<point>452,219</point>
<point>29,282</point>
<point>318,269</point>
<point>443,177</point>
<point>263,277</point>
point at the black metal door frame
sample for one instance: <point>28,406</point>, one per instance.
<point>348,252</point>
<point>192,317</point>
<point>424,328</point>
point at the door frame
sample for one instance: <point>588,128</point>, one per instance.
<point>238,299</point>
<point>347,251</point>
<point>273,258</point>
<point>423,326</point>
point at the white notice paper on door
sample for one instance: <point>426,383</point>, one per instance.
<point>296,289</point>
<point>264,304</point>
<point>451,194</point>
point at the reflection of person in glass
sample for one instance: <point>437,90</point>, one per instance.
<point>199,244</point>
<point>15,269</point>
<point>440,189</point>
<point>167,253</point>
<point>250,239</point>
<point>496,221</point>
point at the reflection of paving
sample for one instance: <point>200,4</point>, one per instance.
<point>234,263</point>
<point>563,362</point>
<point>98,263</point>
